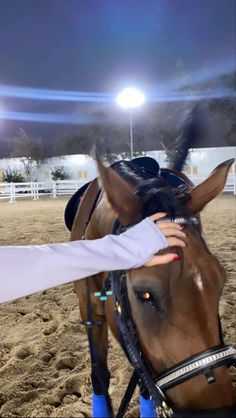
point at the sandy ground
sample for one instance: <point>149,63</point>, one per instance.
<point>44,362</point>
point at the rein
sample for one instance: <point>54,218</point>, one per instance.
<point>201,363</point>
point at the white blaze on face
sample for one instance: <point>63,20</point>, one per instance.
<point>198,280</point>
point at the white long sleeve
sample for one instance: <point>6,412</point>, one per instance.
<point>28,269</point>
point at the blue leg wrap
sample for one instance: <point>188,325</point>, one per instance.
<point>147,408</point>
<point>99,406</point>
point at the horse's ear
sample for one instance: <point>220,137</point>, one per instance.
<point>204,192</point>
<point>120,194</point>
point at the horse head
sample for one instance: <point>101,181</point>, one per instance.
<point>175,306</point>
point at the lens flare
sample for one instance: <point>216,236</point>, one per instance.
<point>206,84</point>
<point>43,117</point>
<point>53,95</point>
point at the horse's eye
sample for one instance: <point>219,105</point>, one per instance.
<point>145,297</point>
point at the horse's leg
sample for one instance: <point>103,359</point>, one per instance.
<point>146,405</point>
<point>97,331</point>
<point>101,403</point>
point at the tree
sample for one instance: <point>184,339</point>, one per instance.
<point>224,119</point>
<point>12,176</point>
<point>217,94</point>
<point>59,173</point>
<point>108,138</point>
<point>29,150</point>
<point>72,143</point>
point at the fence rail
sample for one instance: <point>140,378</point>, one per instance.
<point>33,190</point>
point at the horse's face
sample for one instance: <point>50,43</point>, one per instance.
<point>175,306</point>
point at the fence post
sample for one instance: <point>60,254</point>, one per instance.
<point>13,194</point>
<point>54,190</point>
<point>235,182</point>
<point>32,189</point>
<point>35,191</point>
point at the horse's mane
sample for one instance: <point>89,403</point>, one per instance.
<point>156,194</point>
<point>193,130</point>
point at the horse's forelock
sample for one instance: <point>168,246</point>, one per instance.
<point>155,193</point>
<point>158,197</point>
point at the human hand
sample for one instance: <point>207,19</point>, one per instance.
<point>174,235</point>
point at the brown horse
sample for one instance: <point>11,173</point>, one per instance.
<point>180,317</point>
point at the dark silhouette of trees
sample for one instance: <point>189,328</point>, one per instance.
<point>29,150</point>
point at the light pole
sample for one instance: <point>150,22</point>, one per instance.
<point>130,98</point>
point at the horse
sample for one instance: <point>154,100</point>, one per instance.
<point>165,317</point>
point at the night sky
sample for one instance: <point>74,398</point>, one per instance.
<point>101,46</point>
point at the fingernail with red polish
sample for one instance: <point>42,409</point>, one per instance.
<point>176,258</point>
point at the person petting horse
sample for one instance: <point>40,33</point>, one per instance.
<point>33,268</point>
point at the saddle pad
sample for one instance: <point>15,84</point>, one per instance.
<point>73,204</point>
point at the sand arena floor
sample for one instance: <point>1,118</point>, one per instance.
<point>44,362</point>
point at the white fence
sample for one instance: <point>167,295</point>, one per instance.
<point>13,191</point>
<point>33,190</point>
<point>230,186</point>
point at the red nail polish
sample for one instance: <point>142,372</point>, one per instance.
<point>176,258</point>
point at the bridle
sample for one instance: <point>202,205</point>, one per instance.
<point>202,363</point>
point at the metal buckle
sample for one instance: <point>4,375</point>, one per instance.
<point>90,324</point>
<point>118,308</point>
<point>164,410</point>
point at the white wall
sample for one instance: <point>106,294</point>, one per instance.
<point>207,159</point>
<point>201,161</point>
<point>82,167</point>
<point>79,167</point>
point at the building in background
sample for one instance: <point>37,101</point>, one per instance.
<point>78,167</point>
<point>200,163</point>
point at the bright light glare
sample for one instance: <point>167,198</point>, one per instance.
<point>130,98</point>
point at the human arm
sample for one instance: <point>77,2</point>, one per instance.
<point>28,269</point>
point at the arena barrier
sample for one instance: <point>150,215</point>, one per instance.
<point>54,189</point>
<point>35,190</point>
